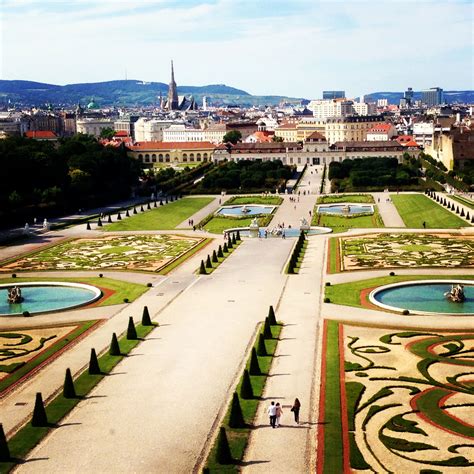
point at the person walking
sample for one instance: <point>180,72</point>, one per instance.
<point>278,413</point>
<point>272,414</point>
<point>296,410</point>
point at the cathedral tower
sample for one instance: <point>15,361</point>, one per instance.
<point>172,92</point>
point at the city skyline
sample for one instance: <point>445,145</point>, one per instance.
<point>267,48</point>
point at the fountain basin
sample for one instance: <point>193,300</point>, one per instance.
<point>293,232</point>
<point>424,297</point>
<point>245,210</point>
<point>45,297</point>
<point>346,209</point>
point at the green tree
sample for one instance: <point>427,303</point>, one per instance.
<point>107,133</point>
<point>277,139</point>
<point>233,136</point>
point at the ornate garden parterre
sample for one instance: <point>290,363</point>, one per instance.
<point>406,400</point>
<point>117,252</point>
<point>406,250</point>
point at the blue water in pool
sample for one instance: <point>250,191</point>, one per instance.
<point>252,210</point>
<point>426,297</point>
<point>44,298</point>
<point>288,233</point>
<point>339,209</point>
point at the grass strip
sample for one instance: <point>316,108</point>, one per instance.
<point>343,223</point>
<point>12,378</point>
<point>416,209</point>
<point>175,263</point>
<point>338,198</point>
<point>221,259</point>
<point>333,255</point>
<point>238,437</point>
<point>265,200</point>
<point>462,200</point>
<point>120,289</point>
<point>29,436</point>
<point>299,260</point>
<point>333,448</point>
<point>348,294</point>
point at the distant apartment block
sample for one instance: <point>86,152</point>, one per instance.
<point>433,96</point>
<point>329,95</point>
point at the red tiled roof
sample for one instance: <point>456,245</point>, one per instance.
<point>142,146</point>
<point>380,128</point>
<point>316,136</point>
<point>41,134</point>
<point>121,133</point>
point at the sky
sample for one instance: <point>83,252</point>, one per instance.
<point>296,48</point>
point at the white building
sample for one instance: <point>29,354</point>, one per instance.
<point>150,130</point>
<point>381,132</point>
<point>362,108</point>
<point>93,126</point>
<point>323,109</point>
<point>423,133</point>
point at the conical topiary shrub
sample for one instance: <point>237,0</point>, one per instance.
<point>135,210</point>
<point>226,250</point>
<point>238,235</point>
<point>271,316</point>
<point>88,226</point>
<point>68,390</point>
<point>39,417</point>
<point>131,330</point>
<point>468,217</point>
<point>99,222</point>
<point>236,417</point>
<point>223,454</point>
<point>219,252</point>
<point>94,368</point>
<point>127,214</point>
<point>141,209</point>
<point>462,212</point>
<point>267,332</point>
<point>4,451</point>
<point>109,219</point>
<point>119,217</point>
<point>234,240</point>
<point>161,203</point>
<point>214,257</point>
<point>148,206</point>
<point>261,348</point>
<point>246,390</point>
<point>208,262</point>
<point>146,320</point>
<point>114,346</point>
<point>229,243</point>
<point>254,367</point>
<point>202,269</point>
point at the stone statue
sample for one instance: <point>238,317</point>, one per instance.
<point>456,294</point>
<point>14,295</point>
<point>304,225</point>
<point>26,230</point>
<point>254,223</point>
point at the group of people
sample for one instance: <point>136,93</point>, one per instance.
<point>275,412</point>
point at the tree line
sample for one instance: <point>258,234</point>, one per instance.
<point>41,179</point>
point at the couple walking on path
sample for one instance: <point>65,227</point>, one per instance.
<point>275,412</point>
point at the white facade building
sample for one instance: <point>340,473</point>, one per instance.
<point>323,109</point>
<point>150,130</point>
<point>92,126</point>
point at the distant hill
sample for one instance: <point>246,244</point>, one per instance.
<point>451,97</point>
<point>122,93</point>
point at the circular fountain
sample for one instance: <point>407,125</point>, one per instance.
<point>44,297</point>
<point>346,209</point>
<point>427,297</point>
<point>244,210</point>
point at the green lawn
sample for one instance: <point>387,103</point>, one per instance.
<point>341,224</point>
<point>336,198</point>
<point>463,200</point>
<point>161,218</point>
<point>349,293</point>
<point>415,209</point>
<point>122,289</point>
<point>265,200</point>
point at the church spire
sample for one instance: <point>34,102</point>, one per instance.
<point>172,92</point>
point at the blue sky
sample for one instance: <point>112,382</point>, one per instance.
<point>294,47</point>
